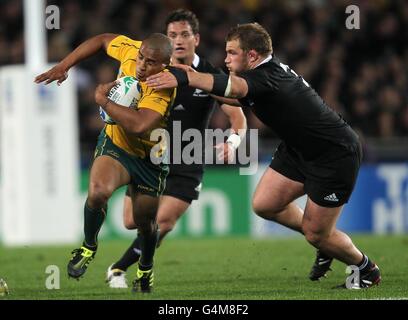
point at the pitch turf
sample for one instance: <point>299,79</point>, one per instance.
<point>223,268</point>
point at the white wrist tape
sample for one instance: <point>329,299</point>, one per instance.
<point>234,140</point>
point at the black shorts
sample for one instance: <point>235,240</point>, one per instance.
<point>328,180</point>
<point>184,186</point>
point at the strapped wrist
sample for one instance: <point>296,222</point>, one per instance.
<point>234,140</point>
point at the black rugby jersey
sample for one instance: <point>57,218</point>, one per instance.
<point>192,108</point>
<point>286,103</point>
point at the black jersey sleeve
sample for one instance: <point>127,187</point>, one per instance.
<point>259,80</point>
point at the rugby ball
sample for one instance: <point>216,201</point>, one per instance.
<point>126,92</point>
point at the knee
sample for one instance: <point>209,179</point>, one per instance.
<point>128,219</point>
<point>98,194</point>
<point>315,238</point>
<point>166,224</point>
<point>265,210</point>
<point>129,222</point>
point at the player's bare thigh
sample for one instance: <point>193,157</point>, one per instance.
<point>106,176</point>
<point>170,210</point>
<point>275,191</point>
<point>128,220</point>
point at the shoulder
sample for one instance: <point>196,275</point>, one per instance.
<point>207,67</point>
<point>123,40</point>
<point>266,71</point>
<point>262,79</point>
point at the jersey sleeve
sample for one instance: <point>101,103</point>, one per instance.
<point>260,81</point>
<point>157,100</point>
<point>120,47</point>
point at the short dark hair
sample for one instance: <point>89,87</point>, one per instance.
<point>251,36</point>
<point>184,15</point>
<point>162,43</point>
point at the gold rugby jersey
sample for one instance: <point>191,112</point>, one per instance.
<point>125,50</point>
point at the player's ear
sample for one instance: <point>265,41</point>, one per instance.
<point>197,39</point>
<point>252,55</point>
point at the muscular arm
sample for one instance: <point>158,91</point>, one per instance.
<point>238,127</point>
<point>231,102</point>
<point>85,50</point>
<point>134,121</point>
<point>203,81</point>
<point>236,118</point>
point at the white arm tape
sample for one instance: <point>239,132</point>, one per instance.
<point>234,140</point>
<point>228,89</point>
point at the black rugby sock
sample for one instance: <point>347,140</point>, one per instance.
<point>148,243</point>
<point>131,256</point>
<point>93,220</point>
<point>365,265</point>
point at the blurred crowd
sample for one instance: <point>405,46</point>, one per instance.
<point>361,73</point>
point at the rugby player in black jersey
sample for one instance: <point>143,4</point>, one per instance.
<point>192,109</point>
<point>319,155</point>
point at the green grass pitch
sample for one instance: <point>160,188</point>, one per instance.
<point>217,268</point>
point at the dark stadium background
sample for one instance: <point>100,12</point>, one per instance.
<point>362,73</point>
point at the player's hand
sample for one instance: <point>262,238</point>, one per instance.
<point>102,91</point>
<point>162,80</point>
<point>226,152</point>
<point>59,73</point>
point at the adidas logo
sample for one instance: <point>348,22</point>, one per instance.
<point>332,197</point>
<point>198,188</point>
<point>179,107</point>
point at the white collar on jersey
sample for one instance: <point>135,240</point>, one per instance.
<point>196,60</point>
<point>265,60</point>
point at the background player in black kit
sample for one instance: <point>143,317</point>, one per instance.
<point>192,109</point>
<point>319,155</point>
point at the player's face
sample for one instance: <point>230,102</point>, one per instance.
<point>237,59</point>
<point>183,39</point>
<point>148,62</point>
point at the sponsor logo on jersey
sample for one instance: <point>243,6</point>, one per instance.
<point>200,93</point>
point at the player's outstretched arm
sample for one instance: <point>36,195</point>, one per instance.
<point>85,50</point>
<point>228,101</point>
<point>133,121</point>
<point>229,86</point>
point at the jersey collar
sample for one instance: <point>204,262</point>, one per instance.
<point>196,60</point>
<point>265,60</point>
